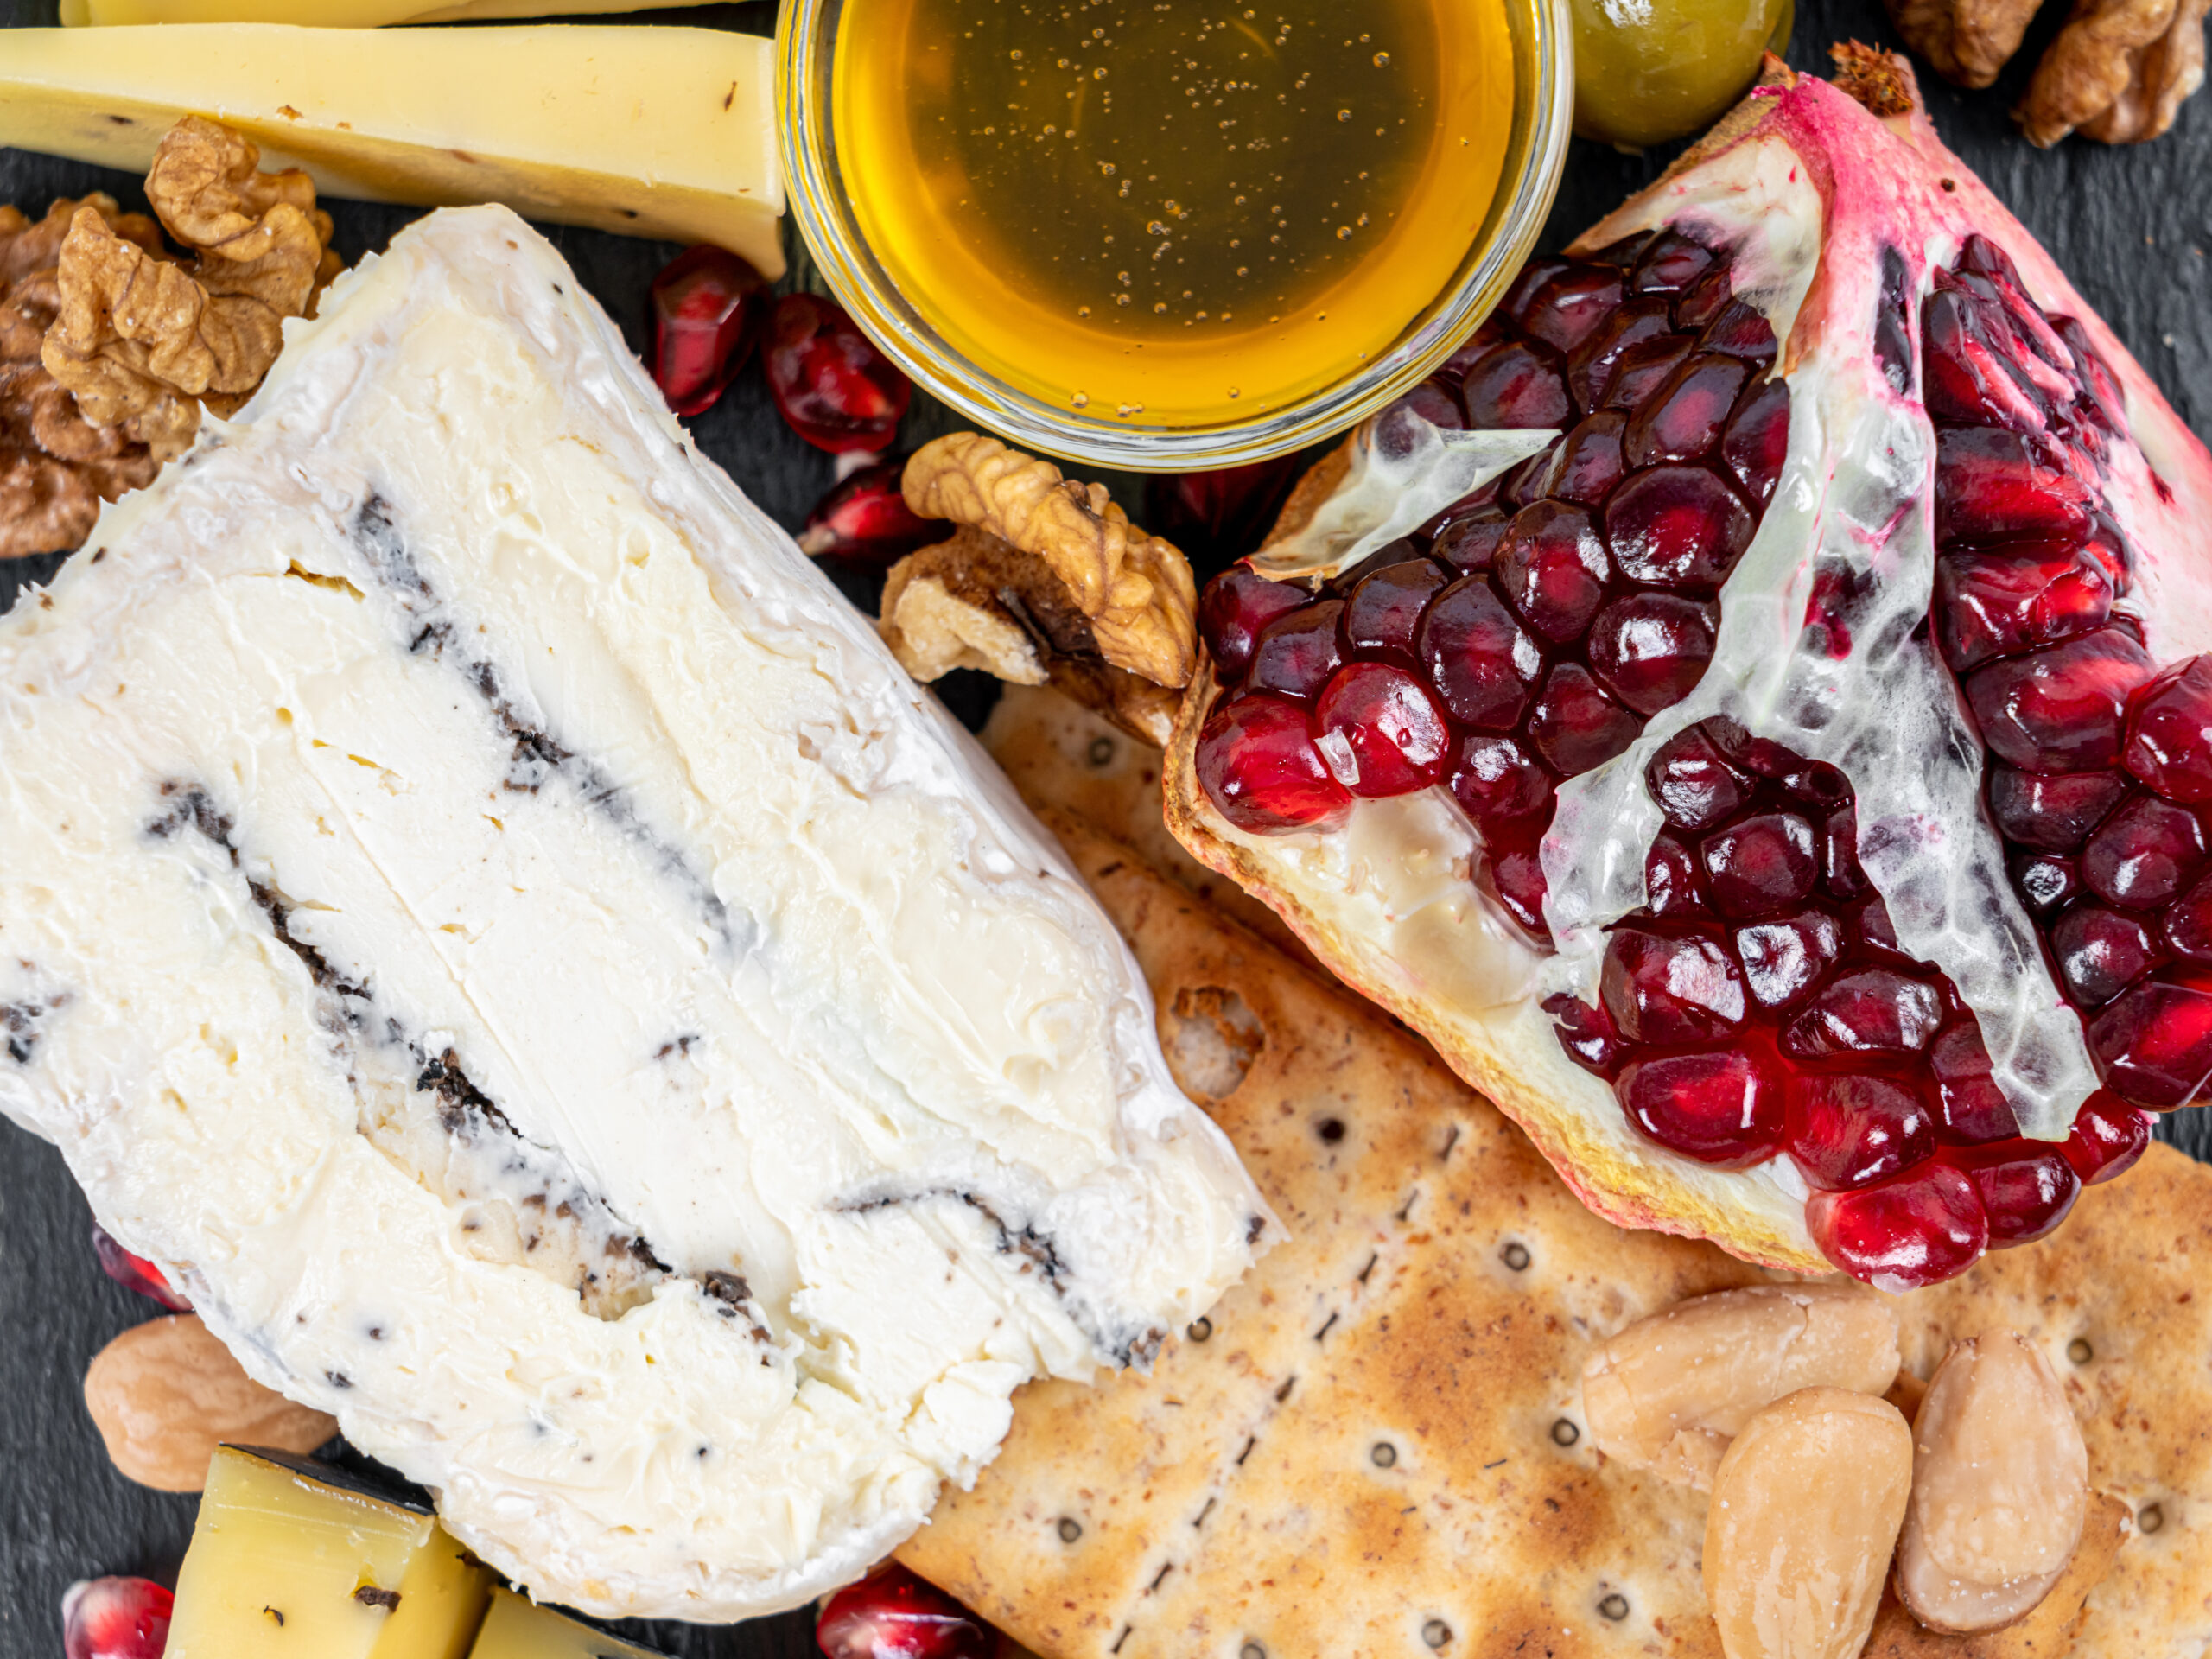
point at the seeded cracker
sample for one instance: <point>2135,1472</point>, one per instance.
<point>1377,1450</point>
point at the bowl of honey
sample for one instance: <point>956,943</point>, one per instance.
<point>1172,234</point>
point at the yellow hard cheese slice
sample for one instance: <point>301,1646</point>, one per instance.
<point>515,1628</point>
<point>334,14</point>
<point>289,1560</point>
<point>649,131</point>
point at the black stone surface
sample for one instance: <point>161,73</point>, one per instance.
<point>2132,226</point>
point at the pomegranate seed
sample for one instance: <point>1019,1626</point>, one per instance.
<point>2025,1189</point>
<point>1870,921</point>
<point>1574,726</point>
<point>1972,1109</point>
<point>1677,527</point>
<point>1477,657</point>
<point>1219,515</point>
<point>1236,606</point>
<point>2100,953</point>
<point>1924,1227</point>
<point>1586,1034</point>
<point>1740,331</point>
<point>1489,334</point>
<point>1566,310</point>
<point>1470,541</point>
<point>1693,782</point>
<point>116,1619</point>
<point>1840,865</point>
<point>1590,365</point>
<point>2045,880</point>
<point>2102,398</point>
<point>2055,812</point>
<point>2169,732</point>
<point>1389,730</point>
<point>1525,482</point>
<point>1670,878</point>
<point>1705,299</point>
<point>1720,1108</point>
<point>134,1272</point>
<point>1522,293</point>
<point>1972,366</point>
<point>1258,765</point>
<point>2188,926</point>
<point>1497,781</point>
<point>1297,652</point>
<point>2156,1040</point>
<point>891,1614</point>
<point>1432,400</point>
<point>1551,568</point>
<point>1760,865</point>
<point>1852,1131</point>
<point>1872,1011</point>
<point>1624,252</point>
<point>1669,988</point>
<point>707,308</point>
<point>1651,649</point>
<point>1987,605</point>
<point>1784,958</point>
<point>2144,854</point>
<point>1642,370</point>
<point>2059,708</point>
<point>1683,418</point>
<point>2108,1136</point>
<point>1669,264</point>
<point>1383,616</point>
<point>1756,441</point>
<point>1588,462</point>
<point>831,384</point>
<point>1514,877</point>
<point>865,521</point>
<point>1516,384</point>
<point>1991,486</point>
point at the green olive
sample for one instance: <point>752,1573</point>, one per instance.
<point>1647,71</point>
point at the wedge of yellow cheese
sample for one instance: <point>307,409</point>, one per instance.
<point>516,1628</point>
<point>334,14</point>
<point>290,1560</point>
<point>644,131</point>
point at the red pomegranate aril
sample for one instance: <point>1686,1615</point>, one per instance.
<point>1670,878</point>
<point>134,1272</point>
<point>1695,783</point>
<point>1972,376</point>
<point>1868,921</point>
<point>1522,291</point>
<point>1524,483</point>
<point>116,1619</point>
<point>1669,988</point>
<point>1924,1227</point>
<point>1720,1108</point>
<point>1740,331</point>
<point>865,521</point>
<point>1492,329</point>
<point>1623,253</point>
<point>1257,762</point>
<point>1760,865</point>
<point>2045,880</point>
<point>2102,399</point>
<point>891,1614</point>
<point>1219,514</point>
<point>1435,403</point>
<point>1651,649</point>
<point>1515,876</point>
<point>1991,486</point>
<point>1872,1011</point>
<point>831,384</point>
<point>1677,527</point>
<point>1518,384</point>
<point>2101,952</point>
<point>706,307</point>
<point>2144,854</point>
<point>1988,604</point>
<point>1840,866</point>
<point>1590,365</point>
<point>1684,417</point>
<point>1756,441</point>
<point>1642,370</point>
<point>1551,568</point>
<point>1469,541</point>
<point>1297,652</point>
<point>1705,299</point>
<point>1477,656</point>
<point>1389,726</point>
<point>2156,1040</point>
<point>1784,958</point>
<point>2169,732</point>
<point>1669,264</point>
<point>2107,1137</point>
<point>1235,607</point>
<point>1574,726</point>
<point>2053,812</point>
<point>1850,1130</point>
<point>1571,307</point>
<point>2187,925</point>
<point>1586,1034</point>
<point>2060,709</point>
<point>1498,781</point>
<point>2025,1188</point>
<point>1970,1108</point>
<point>1588,462</point>
<point>1383,616</point>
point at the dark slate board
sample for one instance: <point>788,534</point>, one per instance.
<point>2132,227</point>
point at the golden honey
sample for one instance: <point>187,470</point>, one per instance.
<point>1172,211</point>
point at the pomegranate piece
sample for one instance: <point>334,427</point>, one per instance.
<point>2188,926</point>
<point>116,1619</point>
<point>2108,1136</point>
<point>1514,877</point>
<point>1570,307</point>
<point>2025,1187</point>
<point>2169,732</point>
<point>1468,542</point>
<point>2060,709</point>
<point>1683,417</point>
<point>134,1272</point>
<point>707,305</point>
<point>1392,736</point>
<point>1839,865</point>
<point>1693,781</point>
<point>1574,726</point>
<point>2101,952</point>
<point>1514,385</point>
<point>1784,958</point>
<point>1297,652</point>
<point>1651,649</point>
<point>1641,370</point>
<point>1670,264</point>
<point>1591,364</point>
<point>1677,527</point>
<point>831,384</point>
<point>2156,1040</point>
<point>1874,1011</point>
<point>891,1614</point>
<point>1435,403</point>
<point>1738,330</point>
<point>1994,485</point>
<point>865,521</point>
<point>1383,616</point>
<point>1991,605</point>
<point>1851,1130</point>
<point>1706,299</point>
<point>1257,759</point>
<point>1669,988</point>
<point>1670,879</point>
<point>1497,781</point>
<point>1588,462</point>
<point>1970,1108</point>
<point>2144,854</point>
<point>1760,865</point>
<point>1234,609</point>
<point>1720,1108</point>
<point>1756,441</point>
<point>1924,1227</point>
<point>1222,514</point>
<point>1972,362</point>
<point>2045,880</point>
<point>1586,1034</point>
<point>1551,568</point>
<point>2054,813</point>
<point>1477,657</point>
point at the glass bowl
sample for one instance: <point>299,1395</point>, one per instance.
<point>1543,101</point>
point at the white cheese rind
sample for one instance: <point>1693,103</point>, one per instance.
<point>444,751</point>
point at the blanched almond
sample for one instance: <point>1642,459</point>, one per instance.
<point>1806,1508</point>
<point>1999,1489</point>
<point>1670,1392</point>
